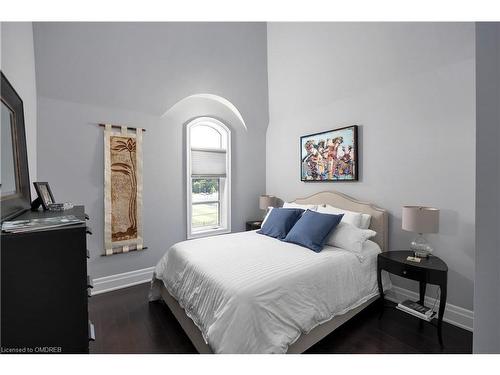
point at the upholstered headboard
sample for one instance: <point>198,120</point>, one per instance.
<point>379,222</point>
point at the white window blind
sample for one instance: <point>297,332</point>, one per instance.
<point>208,162</point>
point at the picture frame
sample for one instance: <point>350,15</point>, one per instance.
<point>330,156</point>
<point>45,196</point>
<point>15,196</point>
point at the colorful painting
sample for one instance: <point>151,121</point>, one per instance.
<point>330,155</point>
<point>123,190</point>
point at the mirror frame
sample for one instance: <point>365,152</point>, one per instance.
<point>15,204</point>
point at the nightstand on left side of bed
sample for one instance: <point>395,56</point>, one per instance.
<point>253,225</point>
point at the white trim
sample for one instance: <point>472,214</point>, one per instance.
<point>458,316</point>
<point>122,280</point>
<point>224,191</point>
<point>208,233</point>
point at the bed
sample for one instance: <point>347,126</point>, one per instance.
<point>249,293</point>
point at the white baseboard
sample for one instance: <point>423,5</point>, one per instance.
<point>455,315</point>
<point>122,280</point>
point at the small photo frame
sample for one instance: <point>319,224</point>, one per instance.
<point>44,194</point>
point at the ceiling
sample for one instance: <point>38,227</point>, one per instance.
<point>148,67</point>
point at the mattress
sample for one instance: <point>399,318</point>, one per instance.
<point>249,293</point>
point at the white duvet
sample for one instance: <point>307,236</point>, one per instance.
<point>249,293</point>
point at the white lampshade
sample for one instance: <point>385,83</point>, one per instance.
<point>420,219</point>
<point>266,201</point>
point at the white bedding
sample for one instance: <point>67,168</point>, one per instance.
<point>249,293</point>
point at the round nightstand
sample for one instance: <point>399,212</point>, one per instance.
<point>431,270</point>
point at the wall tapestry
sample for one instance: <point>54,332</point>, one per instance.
<point>330,156</point>
<point>122,190</point>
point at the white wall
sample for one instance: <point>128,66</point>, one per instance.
<point>18,65</point>
<point>487,281</point>
<point>410,87</point>
<point>132,73</point>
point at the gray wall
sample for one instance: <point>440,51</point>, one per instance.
<point>18,65</point>
<point>132,74</point>
<point>487,281</point>
<point>410,86</point>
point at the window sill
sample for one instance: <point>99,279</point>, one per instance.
<point>208,233</point>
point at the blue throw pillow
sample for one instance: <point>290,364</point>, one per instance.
<point>280,221</point>
<point>312,230</point>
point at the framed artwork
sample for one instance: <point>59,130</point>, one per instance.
<point>330,156</point>
<point>15,196</point>
<point>44,194</point>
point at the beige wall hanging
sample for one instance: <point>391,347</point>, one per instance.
<point>122,189</point>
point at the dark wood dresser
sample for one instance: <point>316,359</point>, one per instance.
<point>45,288</point>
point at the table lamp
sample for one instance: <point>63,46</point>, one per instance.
<point>420,220</point>
<point>266,201</point>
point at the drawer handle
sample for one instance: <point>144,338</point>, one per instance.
<point>88,253</point>
<point>91,331</point>
<point>404,272</point>
<point>89,293</point>
<point>88,230</point>
<point>90,284</point>
<point>87,217</point>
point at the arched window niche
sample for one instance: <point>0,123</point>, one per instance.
<point>208,177</point>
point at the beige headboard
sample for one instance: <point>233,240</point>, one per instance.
<point>379,222</point>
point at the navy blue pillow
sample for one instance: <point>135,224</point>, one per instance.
<point>280,221</point>
<point>312,229</point>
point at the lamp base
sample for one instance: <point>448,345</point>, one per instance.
<point>421,247</point>
<point>421,254</point>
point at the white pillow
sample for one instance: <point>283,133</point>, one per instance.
<point>269,209</point>
<point>348,237</point>
<point>369,249</point>
<point>305,207</point>
<point>350,217</point>
<point>365,221</point>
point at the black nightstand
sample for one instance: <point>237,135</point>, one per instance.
<point>430,270</point>
<point>253,225</point>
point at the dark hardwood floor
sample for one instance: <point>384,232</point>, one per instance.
<point>125,322</point>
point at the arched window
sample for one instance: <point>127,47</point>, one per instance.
<point>208,177</point>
